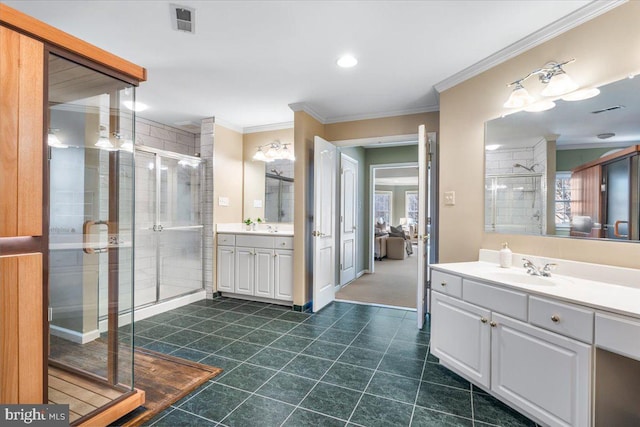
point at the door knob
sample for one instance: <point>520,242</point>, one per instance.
<point>493,324</point>
<point>484,320</point>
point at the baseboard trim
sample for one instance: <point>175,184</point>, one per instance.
<point>152,310</point>
<point>257,299</point>
<point>303,308</point>
<point>74,336</point>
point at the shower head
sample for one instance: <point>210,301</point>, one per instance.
<point>530,169</point>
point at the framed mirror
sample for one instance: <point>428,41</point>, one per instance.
<point>570,171</point>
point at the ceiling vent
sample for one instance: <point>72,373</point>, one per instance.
<point>604,110</point>
<point>183,18</point>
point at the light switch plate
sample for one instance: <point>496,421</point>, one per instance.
<point>449,198</point>
<point>257,203</point>
<point>223,201</point>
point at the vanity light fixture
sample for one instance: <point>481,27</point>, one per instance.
<point>275,150</point>
<point>552,74</point>
<point>103,141</point>
<point>582,94</point>
<point>543,105</point>
<point>54,141</point>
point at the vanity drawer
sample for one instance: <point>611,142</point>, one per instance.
<point>446,283</point>
<point>254,241</point>
<point>226,239</point>
<point>503,301</point>
<point>565,319</point>
<point>618,335</point>
<point>284,243</point>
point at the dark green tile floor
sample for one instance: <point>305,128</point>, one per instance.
<point>349,364</point>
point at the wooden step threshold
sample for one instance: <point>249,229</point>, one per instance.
<point>118,409</point>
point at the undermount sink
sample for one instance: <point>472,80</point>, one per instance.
<point>525,279</point>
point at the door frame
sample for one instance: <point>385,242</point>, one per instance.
<point>372,187</point>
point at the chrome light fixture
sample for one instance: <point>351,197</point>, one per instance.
<point>557,83</point>
<point>275,150</point>
<point>53,141</point>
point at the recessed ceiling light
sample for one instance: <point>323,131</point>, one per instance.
<point>137,106</point>
<point>491,147</point>
<point>606,135</point>
<point>347,61</point>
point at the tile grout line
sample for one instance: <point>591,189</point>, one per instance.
<point>372,376</point>
<point>277,372</point>
<point>332,364</point>
<point>415,401</point>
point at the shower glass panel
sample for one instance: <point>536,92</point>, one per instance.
<point>514,203</point>
<point>169,221</point>
<point>91,192</point>
<point>146,245</point>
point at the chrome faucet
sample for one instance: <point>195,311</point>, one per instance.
<point>533,270</point>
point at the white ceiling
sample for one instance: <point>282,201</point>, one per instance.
<point>250,59</point>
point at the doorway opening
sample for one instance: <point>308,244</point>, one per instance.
<point>390,243</point>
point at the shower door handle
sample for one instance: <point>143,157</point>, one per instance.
<point>615,229</point>
<point>86,229</point>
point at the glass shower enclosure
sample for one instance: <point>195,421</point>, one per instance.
<point>169,227</point>
<point>90,262</point>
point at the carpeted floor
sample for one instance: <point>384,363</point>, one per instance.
<point>393,284</point>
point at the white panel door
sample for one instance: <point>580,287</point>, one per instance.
<point>348,218</point>
<point>226,269</point>
<point>264,273</point>
<point>245,270</point>
<point>545,374</point>
<point>283,267</point>
<point>324,218</point>
<point>461,337</point>
<point>423,153</point>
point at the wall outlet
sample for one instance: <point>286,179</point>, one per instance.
<point>223,201</point>
<point>257,203</point>
<point>449,198</point>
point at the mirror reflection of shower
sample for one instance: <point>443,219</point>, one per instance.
<point>279,191</point>
<point>515,189</point>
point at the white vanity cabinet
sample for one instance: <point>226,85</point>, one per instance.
<point>256,265</point>
<point>489,335</point>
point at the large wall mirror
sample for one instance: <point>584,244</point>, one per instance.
<point>572,171</point>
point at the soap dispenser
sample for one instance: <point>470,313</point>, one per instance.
<point>505,256</point>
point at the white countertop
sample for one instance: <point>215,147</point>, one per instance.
<point>616,298</point>
<point>284,229</point>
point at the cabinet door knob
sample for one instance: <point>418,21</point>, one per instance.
<point>555,318</point>
<point>443,284</point>
<point>493,324</point>
<point>484,320</point>
<point>275,255</point>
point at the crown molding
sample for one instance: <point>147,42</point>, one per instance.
<point>378,142</point>
<point>269,127</point>
<point>228,125</point>
<point>303,106</point>
<point>548,32</point>
<point>355,117</point>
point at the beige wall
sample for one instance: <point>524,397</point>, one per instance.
<point>254,170</point>
<point>606,49</point>
<point>305,128</point>
<point>227,175</point>
<point>387,126</point>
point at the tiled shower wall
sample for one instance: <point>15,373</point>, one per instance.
<point>519,204</point>
<point>164,137</point>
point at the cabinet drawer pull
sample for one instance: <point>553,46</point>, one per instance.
<point>555,318</point>
<point>493,324</point>
<point>443,284</point>
<point>484,320</point>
